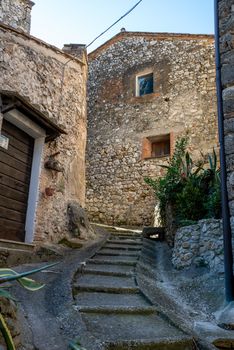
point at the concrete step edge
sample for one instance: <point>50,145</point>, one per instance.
<point>111,262</point>
<point>117,254</point>
<point>5,243</point>
<point>5,249</point>
<point>132,310</point>
<point>126,243</point>
<point>126,238</point>
<point>108,273</point>
<point>185,343</point>
<point>104,289</point>
<point>122,247</point>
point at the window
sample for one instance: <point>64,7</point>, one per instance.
<point>160,148</point>
<point>156,146</point>
<point>145,84</point>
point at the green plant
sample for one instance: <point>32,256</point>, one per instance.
<point>192,190</point>
<point>167,187</point>
<point>8,275</point>
<point>75,345</point>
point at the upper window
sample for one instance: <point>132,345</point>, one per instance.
<point>145,84</point>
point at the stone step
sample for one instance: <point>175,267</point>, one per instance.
<point>127,234</point>
<point>105,281</point>
<point>109,310</point>
<point>117,258</point>
<point>129,327</point>
<point>180,343</point>
<point>102,289</point>
<point>108,268</point>
<point>12,256</point>
<point>4,243</point>
<point>108,273</point>
<point>122,247</point>
<point>117,252</point>
<point>136,243</point>
<point>111,299</point>
<point>126,238</point>
<point>102,260</point>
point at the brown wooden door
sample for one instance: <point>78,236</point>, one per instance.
<point>15,171</point>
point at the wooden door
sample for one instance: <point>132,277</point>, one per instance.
<point>15,171</point>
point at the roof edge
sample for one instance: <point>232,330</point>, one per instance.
<point>156,35</point>
<point>41,43</point>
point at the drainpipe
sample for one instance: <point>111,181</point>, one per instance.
<point>227,233</point>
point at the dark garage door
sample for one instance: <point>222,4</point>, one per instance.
<point>15,171</point>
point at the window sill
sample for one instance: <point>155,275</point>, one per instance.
<point>145,98</point>
<point>159,157</point>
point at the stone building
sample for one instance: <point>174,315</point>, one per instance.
<point>226,13</point>
<point>42,130</point>
<point>145,90</point>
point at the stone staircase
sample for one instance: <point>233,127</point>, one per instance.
<point>112,306</point>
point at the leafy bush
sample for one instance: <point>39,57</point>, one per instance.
<point>191,189</point>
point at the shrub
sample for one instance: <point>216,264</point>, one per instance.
<point>191,189</point>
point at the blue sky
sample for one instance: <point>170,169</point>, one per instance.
<point>78,21</point>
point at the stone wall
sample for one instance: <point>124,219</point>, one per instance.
<point>199,245</point>
<point>183,101</point>
<point>226,12</point>
<point>16,14</point>
<point>54,83</point>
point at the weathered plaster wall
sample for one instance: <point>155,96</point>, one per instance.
<point>42,75</point>
<point>183,101</point>
<point>200,245</point>
<point>16,14</point>
<point>226,12</point>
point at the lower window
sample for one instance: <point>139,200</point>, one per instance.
<point>156,146</point>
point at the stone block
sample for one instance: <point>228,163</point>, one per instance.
<point>227,42</point>
<point>78,221</point>
<point>230,162</point>
<point>231,207</point>
<point>229,142</point>
<point>228,105</point>
<point>227,73</point>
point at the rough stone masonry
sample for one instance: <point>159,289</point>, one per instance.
<point>54,83</point>
<point>226,15</point>
<point>16,14</point>
<point>123,126</point>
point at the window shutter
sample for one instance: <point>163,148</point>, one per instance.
<point>172,142</point>
<point>146,148</point>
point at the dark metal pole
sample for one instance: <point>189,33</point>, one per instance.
<point>227,233</point>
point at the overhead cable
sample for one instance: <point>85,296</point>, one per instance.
<point>127,13</point>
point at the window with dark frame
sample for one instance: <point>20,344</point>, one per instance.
<point>145,84</point>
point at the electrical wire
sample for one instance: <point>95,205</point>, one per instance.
<point>127,13</point>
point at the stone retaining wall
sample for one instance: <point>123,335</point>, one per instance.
<point>199,245</point>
